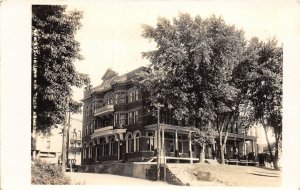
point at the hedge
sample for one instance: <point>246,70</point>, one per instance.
<point>43,173</point>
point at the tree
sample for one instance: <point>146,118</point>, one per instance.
<point>191,69</point>
<point>264,81</point>
<point>54,50</point>
<point>203,136</point>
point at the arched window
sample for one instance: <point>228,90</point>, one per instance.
<point>111,145</point>
<point>90,150</point>
<point>150,141</point>
<point>129,142</point>
<point>102,145</point>
<point>137,135</point>
<point>97,150</point>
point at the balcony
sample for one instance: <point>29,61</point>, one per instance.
<point>104,110</point>
<point>72,140</point>
<point>106,131</point>
<point>103,129</point>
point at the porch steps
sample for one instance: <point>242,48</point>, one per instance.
<point>177,175</point>
<point>171,177</point>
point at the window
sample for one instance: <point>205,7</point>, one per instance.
<point>116,98</point>
<point>116,119</point>
<point>95,124</point>
<point>130,96</point>
<point>150,142</point>
<point>84,151</point>
<point>129,143</point>
<point>97,154</point>
<point>48,144</point>
<point>120,98</point>
<point>95,106</point>
<point>90,128</point>
<point>102,144</point>
<point>123,98</point>
<point>137,95</point>
<point>136,116</point>
<point>106,149</point>
<point>96,150</point>
<point>87,111</point>
<point>131,117</point>
<point>91,110</point>
<point>90,150</point>
<point>122,119</point>
<point>137,141</point>
<point>86,130</point>
<point>111,145</point>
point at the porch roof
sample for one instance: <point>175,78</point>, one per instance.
<point>171,128</point>
<point>234,136</point>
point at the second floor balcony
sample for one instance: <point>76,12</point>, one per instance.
<point>104,110</point>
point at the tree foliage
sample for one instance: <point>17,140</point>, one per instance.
<point>191,68</point>
<point>54,50</point>
<point>264,79</point>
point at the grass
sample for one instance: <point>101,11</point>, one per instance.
<point>232,175</point>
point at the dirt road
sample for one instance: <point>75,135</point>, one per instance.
<point>107,179</point>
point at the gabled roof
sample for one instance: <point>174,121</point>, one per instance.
<point>111,78</point>
<point>109,74</point>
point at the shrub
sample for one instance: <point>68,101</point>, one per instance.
<point>43,173</point>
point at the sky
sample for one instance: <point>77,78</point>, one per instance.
<point>110,36</point>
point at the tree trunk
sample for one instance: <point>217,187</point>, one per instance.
<point>223,146</point>
<point>276,157</point>
<point>222,152</point>
<point>202,154</point>
<point>269,146</point>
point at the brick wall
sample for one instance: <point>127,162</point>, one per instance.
<point>142,171</point>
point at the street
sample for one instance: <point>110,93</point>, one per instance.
<point>107,179</point>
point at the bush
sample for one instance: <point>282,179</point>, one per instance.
<point>43,173</point>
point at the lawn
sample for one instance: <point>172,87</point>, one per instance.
<point>229,175</point>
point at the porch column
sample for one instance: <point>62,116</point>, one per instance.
<point>176,140</point>
<point>155,139</point>
<point>163,141</point>
<point>190,147</point>
<point>119,149</point>
<point>256,147</point>
<point>244,149</point>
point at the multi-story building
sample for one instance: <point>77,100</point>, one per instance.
<point>75,144</point>
<point>48,147</point>
<point>116,127</point>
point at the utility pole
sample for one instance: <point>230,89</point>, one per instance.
<point>158,142</point>
<point>64,140</point>
<point>68,139</point>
